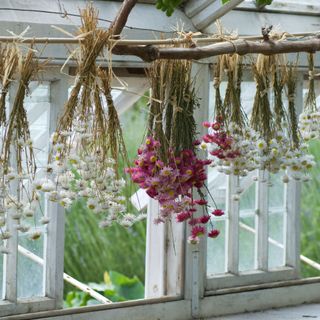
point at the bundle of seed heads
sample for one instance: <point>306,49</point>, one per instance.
<point>262,118</point>
<point>84,101</point>
<point>311,105</point>
<point>293,120</point>
<point>173,102</point>
<point>8,65</point>
<point>17,133</point>
<point>218,105</point>
<point>233,113</point>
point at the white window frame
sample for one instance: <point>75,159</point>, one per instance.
<point>192,292</point>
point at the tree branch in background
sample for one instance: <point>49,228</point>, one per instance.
<point>151,53</point>
<point>121,19</point>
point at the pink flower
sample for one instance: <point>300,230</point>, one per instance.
<point>217,212</point>
<point>206,124</point>
<point>213,233</point>
<point>193,240</point>
<point>216,126</point>
<point>198,231</point>
<point>204,219</point>
<point>183,216</point>
<point>200,202</point>
<point>193,221</point>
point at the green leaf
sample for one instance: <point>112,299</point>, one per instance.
<point>129,288</point>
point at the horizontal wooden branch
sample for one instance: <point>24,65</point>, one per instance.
<point>121,19</point>
<point>242,47</point>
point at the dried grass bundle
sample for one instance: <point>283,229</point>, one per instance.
<point>17,133</point>
<point>218,105</point>
<point>293,119</point>
<point>172,105</point>
<point>311,105</point>
<point>114,142</point>
<point>8,65</point>
<point>232,64</point>
<point>262,118</point>
<point>83,101</point>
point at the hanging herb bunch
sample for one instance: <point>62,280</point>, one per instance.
<point>229,137</point>
<point>299,161</point>
<point>167,166</point>
<point>267,121</point>
<point>88,144</point>
<point>309,119</point>
<point>19,202</point>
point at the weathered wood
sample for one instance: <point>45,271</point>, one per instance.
<point>261,221</point>
<point>121,19</point>
<point>232,225</point>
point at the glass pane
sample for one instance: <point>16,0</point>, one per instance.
<point>216,250</point>
<point>30,272</point>
<point>276,219</point>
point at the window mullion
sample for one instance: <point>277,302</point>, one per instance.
<point>261,221</point>
<point>292,202</point>
<point>11,259</point>
<point>232,225</point>
<point>54,241</point>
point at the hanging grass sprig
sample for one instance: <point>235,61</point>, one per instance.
<point>8,63</point>
<point>309,119</point>
<point>81,103</point>
<point>17,133</point>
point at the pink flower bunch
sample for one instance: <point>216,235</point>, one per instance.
<point>224,146</point>
<point>171,184</point>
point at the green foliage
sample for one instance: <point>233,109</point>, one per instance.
<point>168,6</point>
<point>310,215</point>
<point>90,250</point>
<point>116,287</point>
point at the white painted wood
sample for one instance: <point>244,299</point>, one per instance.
<point>245,278</point>
<point>289,6</point>
<point>175,241</point>
<point>261,221</point>
<point>311,311</point>
<point>155,254</point>
<point>10,261</point>
<point>212,12</point>
<point>202,78</point>
<point>193,7</point>
<point>287,294</point>
<point>232,225</point>
<point>24,306</point>
<point>54,240</point>
<point>256,300</point>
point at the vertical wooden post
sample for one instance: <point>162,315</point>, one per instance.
<point>195,255</point>
<point>261,221</point>
<point>292,203</point>
<point>54,241</point>
<point>232,225</point>
<point>155,254</point>
<point>10,261</point>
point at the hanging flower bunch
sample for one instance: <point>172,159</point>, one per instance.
<point>167,166</point>
<point>171,183</point>
<point>309,119</point>
<point>230,140</point>
<point>233,147</point>
<point>88,143</point>
<point>19,204</point>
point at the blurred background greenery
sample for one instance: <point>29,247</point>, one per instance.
<point>310,215</point>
